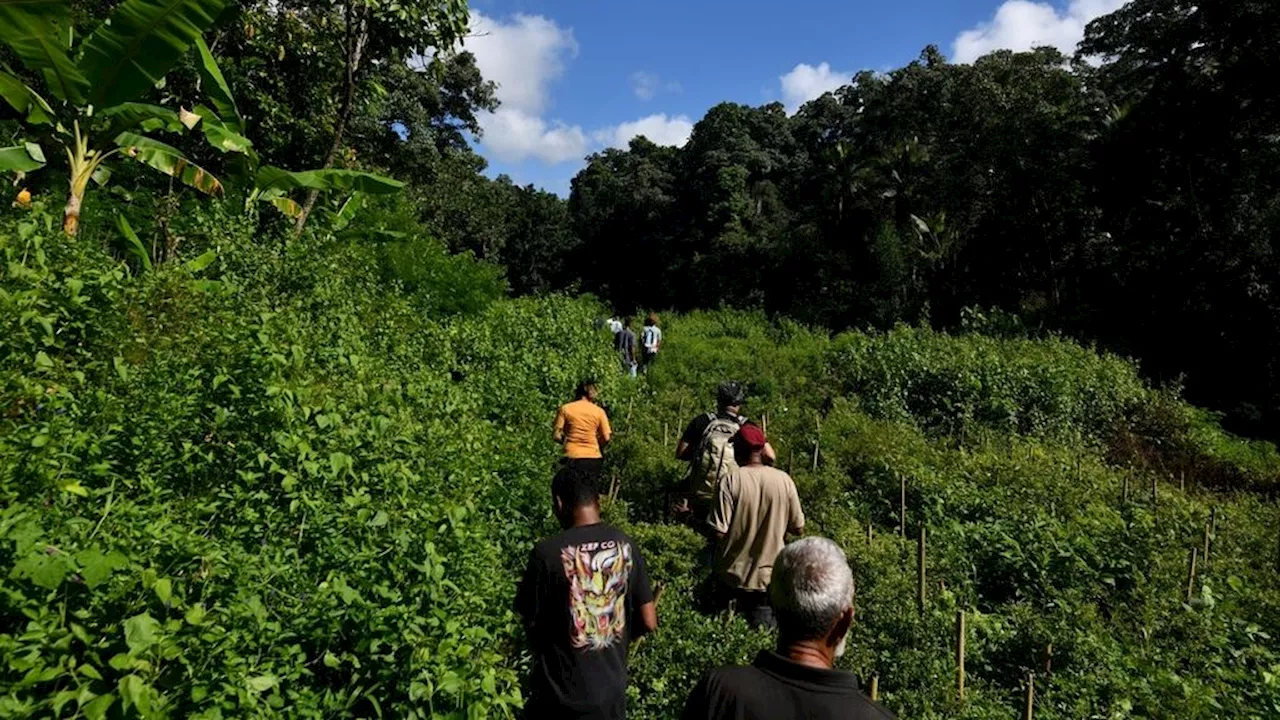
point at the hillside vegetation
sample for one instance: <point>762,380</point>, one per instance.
<point>293,484</point>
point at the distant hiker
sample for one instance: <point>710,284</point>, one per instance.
<point>625,343</point>
<point>755,508</point>
<point>582,427</point>
<point>615,326</point>
<point>584,597</point>
<point>812,596</point>
<point>650,341</point>
<point>705,446</point>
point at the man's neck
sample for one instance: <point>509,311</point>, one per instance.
<point>809,653</point>
<point>584,516</point>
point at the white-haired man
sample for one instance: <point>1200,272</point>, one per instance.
<point>812,596</point>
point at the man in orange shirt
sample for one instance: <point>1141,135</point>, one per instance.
<point>582,427</point>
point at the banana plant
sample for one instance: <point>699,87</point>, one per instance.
<point>89,109</point>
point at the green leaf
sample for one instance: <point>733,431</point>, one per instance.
<point>286,206</point>
<point>331,660</point>
<point>168,160</point>
<point>271,178</point>
<point>221,136</point>
<point>46,571</point>
<point>96,567</point>
<point>25,100</point>
<point>32,29</point>
<point>19,159</point>
<point>133,244</point>
<point>263,683</point>
<point>142,116</point>
<point>215,86</point>
<point>348,211</point>
<point>135,692</point>
<point>164,590</point>
<point>140,632</point>
<point>96,709</point>
<point>132,50</point>
<point>197,264</point>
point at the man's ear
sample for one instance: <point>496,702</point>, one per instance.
<point>841,627</point>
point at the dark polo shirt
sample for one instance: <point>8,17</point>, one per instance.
<point>774,688</point>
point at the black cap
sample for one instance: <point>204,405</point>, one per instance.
<point>731,393</point>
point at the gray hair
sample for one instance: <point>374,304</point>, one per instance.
<point>811,588</point>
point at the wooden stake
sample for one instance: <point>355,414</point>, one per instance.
<point>791,461</point>
<point>920,588</point>
<point>960,638</point>
<point>870,531</point>
<point>764,420</point>
<point>1125,495</point>
<point>1029,713</point>
<point>1048,659</point>
<point>1182,481</point>
<point>1191,574</point>
<point>854,600</point>
<point>1154,494</point>
<point>666,434</point>
<point>902,505</point>
<point>875,688</point>
<point>1204,557</point>
<point>817,442</point>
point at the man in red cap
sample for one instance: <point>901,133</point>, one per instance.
<point>756,507</point>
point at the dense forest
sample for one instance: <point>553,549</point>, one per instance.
<point>278,364</point>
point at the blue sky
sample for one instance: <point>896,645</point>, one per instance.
<point>576,76</point>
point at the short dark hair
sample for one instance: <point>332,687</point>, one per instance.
<point>574,488</point>
<point>626,321</point>
<point>584,388</point>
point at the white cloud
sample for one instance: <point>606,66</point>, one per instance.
<point>658,128</point>
<point>647,85</point>
<point>806,82</point>
<point>513,135</point>
<point>525,55</point>
<point>1024,24</point>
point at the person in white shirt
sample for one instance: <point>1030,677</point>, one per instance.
<point>650,341</point>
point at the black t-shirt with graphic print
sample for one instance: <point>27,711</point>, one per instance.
<point>580,599</point>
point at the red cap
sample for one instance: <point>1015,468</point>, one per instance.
<point>750,436</point>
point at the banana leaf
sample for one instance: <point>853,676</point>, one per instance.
<point>21,158</point>
<point>215,86</point>
<point>168,160</point>
<point>141,41</point>
<point>26,101</point>
<point>32,29</point>
<point>221,136</point>
<point>143,116</point>
<point>133,244</point>
<point>271,178</point>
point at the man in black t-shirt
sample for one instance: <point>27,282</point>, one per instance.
<point>584,597</point>
<point>812,596</point>
<point>704,444</point>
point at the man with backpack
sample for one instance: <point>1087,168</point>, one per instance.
<point>706,446</point>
